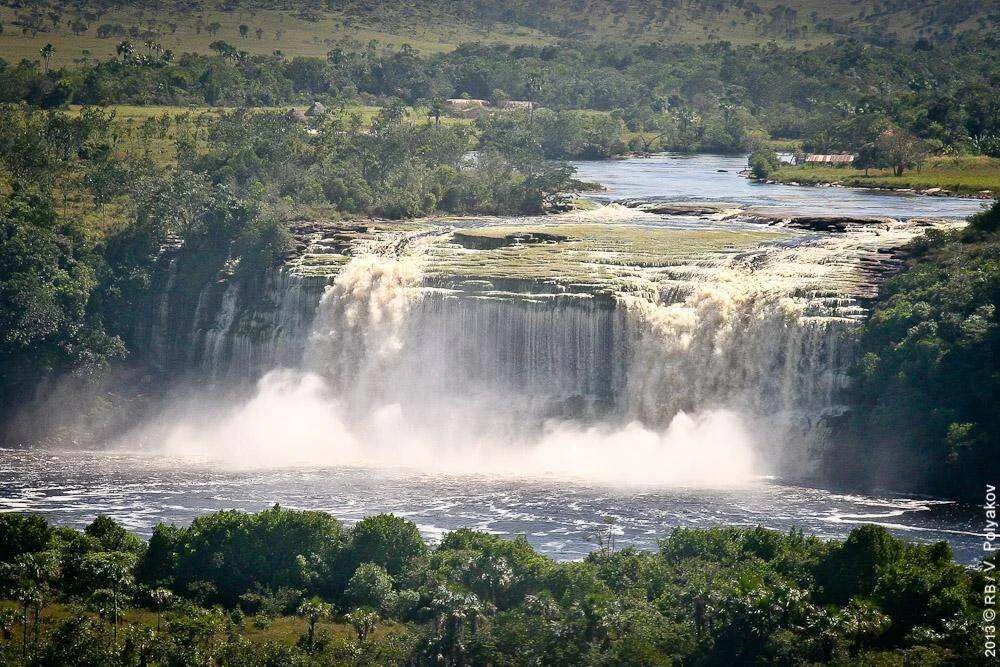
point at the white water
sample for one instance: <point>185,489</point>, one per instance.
<point>700,369</point>
<point>707,391</point>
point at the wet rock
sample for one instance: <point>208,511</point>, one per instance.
<point>482,242</point>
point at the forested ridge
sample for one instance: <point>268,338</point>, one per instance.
<point>298,588</point>
<point>710,97</point>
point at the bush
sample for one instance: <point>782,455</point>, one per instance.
<point>763,162</point>
<point>371,586</point>
<point>385,540</point>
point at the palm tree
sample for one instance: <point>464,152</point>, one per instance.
<point>160,599</point>
<point>125,50</point>
<point>363,621</point>
<point>46,53</point>
<point>313,611</point>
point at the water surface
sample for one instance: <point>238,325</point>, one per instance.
<point>698,177</point>
<point>559,518</point>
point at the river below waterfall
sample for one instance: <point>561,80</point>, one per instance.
<point>559,518</point>
<point>524,376</point>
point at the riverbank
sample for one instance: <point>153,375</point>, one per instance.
<point>968,176</point>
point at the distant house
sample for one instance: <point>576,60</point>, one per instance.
<point>316,109</point>
<point>296,116</point>
<point>517,104</point>
<point>466,108</point>
<point>461,103</point>
<point>838,160</point>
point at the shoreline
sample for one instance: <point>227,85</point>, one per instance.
<point>933,191</point>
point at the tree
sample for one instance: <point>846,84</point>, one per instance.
<point>363,621</point>
<point>762,162</point>
<point>160,599</point>
<point>385,540</point>
<point>313,610</point>
<point>434,110</point>
<point>46,53</point>
<point>371,586</point>
<point>899,150</point>
<point>32,576</point>
<point>112,574</point>
<point>125,50</point>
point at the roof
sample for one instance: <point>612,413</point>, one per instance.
<point>841,158</point>
<point>462,102</point>
<point>316,109</point>
<point>517,104</point>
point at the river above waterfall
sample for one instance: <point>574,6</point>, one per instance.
<point>560,519</point>
<point>716,178</point>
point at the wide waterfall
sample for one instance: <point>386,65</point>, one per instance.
<point>634,354</point>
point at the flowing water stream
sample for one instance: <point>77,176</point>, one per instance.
<point>520,375</point>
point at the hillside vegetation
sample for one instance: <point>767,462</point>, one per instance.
<point>311,28</point>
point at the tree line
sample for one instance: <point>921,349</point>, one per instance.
<point>375,593</point>
<point>710,97</point>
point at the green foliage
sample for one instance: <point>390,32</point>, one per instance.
<point>46,281</point>
<point>23,534</point>
<point>236,553</point>
<point>371,586</point>
<point>925,412</point>
<point>719,596</point>
<point>762,163</point>
<point>385,540</point>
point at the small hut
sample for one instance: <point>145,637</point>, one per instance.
<point>838,160</point>
<point>296,116</point>
<point>522,105</point>
<point>316,109</point>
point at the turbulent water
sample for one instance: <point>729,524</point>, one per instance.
<point>612,347</point>
<point>558,518</point>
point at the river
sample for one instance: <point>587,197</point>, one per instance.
<point>416,388</point>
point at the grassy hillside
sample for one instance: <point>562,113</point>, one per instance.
<point>92,29</point>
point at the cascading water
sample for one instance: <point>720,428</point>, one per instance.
<point>701,367</point>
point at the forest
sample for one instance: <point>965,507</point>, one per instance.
<point>299,588</point>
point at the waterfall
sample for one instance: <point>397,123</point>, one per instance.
<point>712,369</point>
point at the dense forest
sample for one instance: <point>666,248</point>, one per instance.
<point>297,588</point>
<point>924,398</point>
<point>712,97</point>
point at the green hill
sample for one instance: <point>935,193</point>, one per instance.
<point>84,29</point>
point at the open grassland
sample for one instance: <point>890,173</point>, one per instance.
<point>187,32</point>
<point>432,26</point>
<point>970,175</point>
